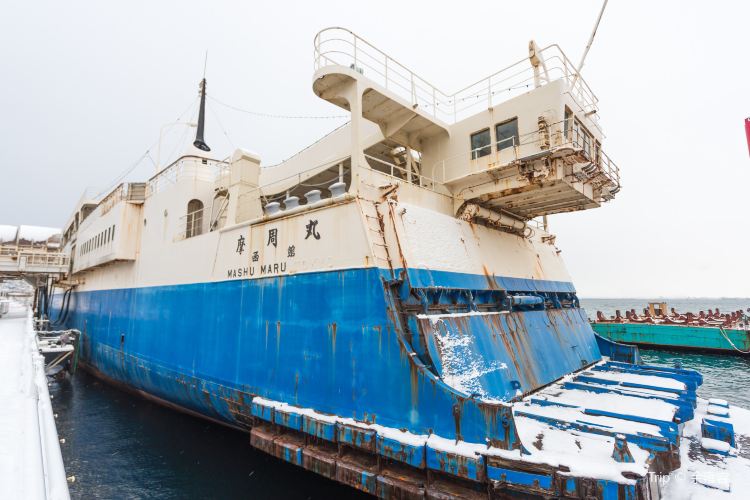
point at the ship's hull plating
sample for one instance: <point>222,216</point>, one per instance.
<point>319,340</point>
<point>417,340</point>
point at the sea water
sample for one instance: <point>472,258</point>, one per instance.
<point>121,446</point>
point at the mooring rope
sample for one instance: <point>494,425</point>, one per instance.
<point>721,329</point>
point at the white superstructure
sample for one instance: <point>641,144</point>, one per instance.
<point>473,156</point>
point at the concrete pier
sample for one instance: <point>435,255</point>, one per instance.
<point>31,465</point>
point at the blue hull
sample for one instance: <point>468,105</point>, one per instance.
<point>321,340</point>
<point>356,344</point>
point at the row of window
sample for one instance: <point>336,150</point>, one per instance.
<point>582,138</point>
<point>506,136</point>
<point>97,241</point>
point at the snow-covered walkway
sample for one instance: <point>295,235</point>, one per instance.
<point>31,465</point>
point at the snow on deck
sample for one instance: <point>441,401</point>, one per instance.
<point>37,234</point>
<point>577,415</point>
<point>634,378</point>
<point>8,233</point>
<point>627,390</point>
<point>31,464</point>
<point>704,475</point>
<point>585,454</point>
<point>615,403</point>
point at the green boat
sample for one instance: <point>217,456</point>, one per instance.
<point>707,332</point>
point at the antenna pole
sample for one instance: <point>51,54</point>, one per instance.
<point>588,46</point>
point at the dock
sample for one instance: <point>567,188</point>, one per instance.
<point>31,464</point>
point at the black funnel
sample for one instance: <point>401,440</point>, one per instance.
<point>199,142</point>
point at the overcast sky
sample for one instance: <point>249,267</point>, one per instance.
<point>85,88</point>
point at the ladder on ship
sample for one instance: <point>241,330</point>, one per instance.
<point>376,233</point>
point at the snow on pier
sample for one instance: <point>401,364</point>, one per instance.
<point>31,464</point>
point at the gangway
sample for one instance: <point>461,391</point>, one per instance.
<point>31,251</point>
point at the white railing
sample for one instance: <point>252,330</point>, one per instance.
<point>515,149</point>
<point>593,152</point>
<point>401,173</point>
<point>131,191</point>
<point>171,174</point>
<point>278,189</point>
<point>536,224</point>
<point>26,257</point>
<point>341,47</point>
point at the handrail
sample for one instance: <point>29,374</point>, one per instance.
<point>181,159</point>
<point>268,193</point>
<point>342,47</point>
<point>264,188</point>
<point>558,139</point>
<point>422,180</point>
<point>171,173</point>
<point>35,257</point>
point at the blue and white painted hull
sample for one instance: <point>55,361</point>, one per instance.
<point>318,340</point>
<point>441,370</point>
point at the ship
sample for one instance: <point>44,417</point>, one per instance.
<point>388,307</point>
<point>662,327</point>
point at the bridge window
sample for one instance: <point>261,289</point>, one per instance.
<point>194,219</point>
<point>480,144</point>
<point>506,134</point>
<point>582,138</point>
